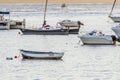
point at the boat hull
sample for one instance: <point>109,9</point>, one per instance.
<point>41,55</point>
<point>44,32</point>
<point>50,32</point>
<point>97,40</point>
<point>73,31</point>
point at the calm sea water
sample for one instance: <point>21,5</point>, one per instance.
<point>80,62</point>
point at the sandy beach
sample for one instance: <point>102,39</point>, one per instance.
<point>56,1</point>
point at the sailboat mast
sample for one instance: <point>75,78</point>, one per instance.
<point>44,23</point>
<point>112,8</point>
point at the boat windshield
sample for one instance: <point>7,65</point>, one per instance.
<point>93,32</point>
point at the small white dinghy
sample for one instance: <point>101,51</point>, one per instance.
<point>97,38</point>
<point>26,54</point>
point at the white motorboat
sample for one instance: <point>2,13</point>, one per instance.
<point>116,29</point>
<point>97,38</point>
<point>41,55</point>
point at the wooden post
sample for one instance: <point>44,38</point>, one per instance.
<point>68,29</point>
<point>23,23</point>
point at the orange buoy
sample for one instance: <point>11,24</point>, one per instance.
<point>18,32</point>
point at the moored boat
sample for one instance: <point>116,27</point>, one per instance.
<point>26,54</point>
<point>97,38</point>
<point>73,26</point>
<point>7,23</point>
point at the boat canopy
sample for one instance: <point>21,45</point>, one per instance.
<point>4,12</point>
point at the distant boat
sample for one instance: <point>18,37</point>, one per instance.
<point>26,54</point>
<point>63,5</point>
<point>97,38</point>
<point>114,18</point>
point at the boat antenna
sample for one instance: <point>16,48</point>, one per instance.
<point>44,22</point>
<point>112,8</point>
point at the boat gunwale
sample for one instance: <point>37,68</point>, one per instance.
<point>38,52</point>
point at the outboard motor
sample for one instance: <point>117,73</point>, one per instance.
<point>114,39</point>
